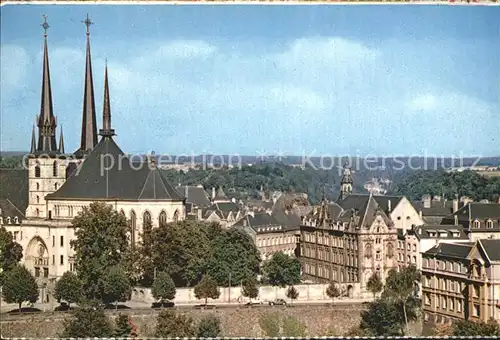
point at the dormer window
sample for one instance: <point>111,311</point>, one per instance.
<point>489,224</point>
<point>476,224</point>
<point>1,220</point>
<point>16,220</point>
<point>8,220</point>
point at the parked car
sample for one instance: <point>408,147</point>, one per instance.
<point>254,302</point>
<point>277,302</point>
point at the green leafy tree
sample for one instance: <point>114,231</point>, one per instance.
<point>476,328</point>
<point>374,284</point>
<point>282,270</point>
<point>172,251</point>
<point>170,325</point>
<point>163,287</point>
<point>19,286</point>
<point>292,293</point>
<point>142,260</point>
<point>11,252</point>
<point>116,287</point>
<point>273,325</point>
<point>234,253</point>
<point>101,243</point>
<point>383,318</point>
<point>88,323</point>
<point>249,289</point>
<point>124,327</point>
<point>400,288</point>
<point>332,291</point>
<point>68,288</point>
<point>207,288</point>
<point>208,327</point>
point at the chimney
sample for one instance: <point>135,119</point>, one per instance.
<point>455,205</point>
<point>186,192</point>
<point>200,215</point>
<point>389,207</point>
<point>456,219</point>
<point>213,192</point>
<point>420,213</point>
<point>426,199</point>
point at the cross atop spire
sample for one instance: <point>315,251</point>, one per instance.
<point>87,23</point>
<point>45,25</point>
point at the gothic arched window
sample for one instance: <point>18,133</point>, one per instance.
<point>133,221</point>
<point>54,169</point>
<point>162,219</point>
<point>176,216</point>
<point>146,224</point>
<point>56,186</point>
<point>37,186</point>
<point>37,199</point>
<point>390,250</point>
<point>37,170</point>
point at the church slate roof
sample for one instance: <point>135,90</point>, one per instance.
<point>8,209</point>
<point>14,186</point>
<point>107,173</point>
<point>492,249</point>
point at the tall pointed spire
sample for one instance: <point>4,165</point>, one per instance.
<point>61,141</point>
<point>89,125</point>
<point>33,140</point>
<point>106,130</point>
<point>46,121</point>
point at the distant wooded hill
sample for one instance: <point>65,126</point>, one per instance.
<point>245,182</point>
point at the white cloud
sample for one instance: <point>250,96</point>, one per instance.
<point>323,93</point>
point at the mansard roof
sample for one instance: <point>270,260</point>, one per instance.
<point>357,200</point>
<point>492,249</point>
<point>478,210</point>
<point>365,207</point>
<point>107,173</point>
<point>429,231</point>
<point>455,250</point>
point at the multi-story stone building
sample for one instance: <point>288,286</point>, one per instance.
<point>269,235</point>
<point>461,281</point>
<point>348,245</point>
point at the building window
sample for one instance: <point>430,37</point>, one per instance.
<point>459,305</point>
<point>61,260</point>
<point>54,169</point>
<point>176,216</point>
<point>414,247</point>
<point>37,272</point>
<point>61,241</point>
<point>489,224</point>
<point>476,290</point>
<point>45,272</point>
<point>37,186</point>
<point>476,224</point>
<point>53,241</point>
<point>476,310</point>
<point>427,299</point>
<point>408,246</point>
<point>37,170</point>
<point>37,199</point>
<point>443,302</point>
<point>378,255</point>
<point>53,260</point>
<point>368,250</point>
<point>37,212</point>
<point>55,186</point>
<point>163,218</point>
<point>452,304</point>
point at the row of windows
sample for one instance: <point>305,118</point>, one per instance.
<point>9,220</point>
<point>450,266</point>
<point>444,302</point>
<point>477,224</point>
<point>55,171</point>
<point>56,186</point>
<point>278,240</point>
<point>61,241</point>
<point>443,284</point>
<point>327,273</point>
<point>409,259</point>
<point>330,240</point>
<point>409,246</point>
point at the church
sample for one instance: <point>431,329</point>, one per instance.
<point>60,184</point>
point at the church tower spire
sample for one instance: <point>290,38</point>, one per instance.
<point>46,121</point>
<point>33,140</point>
<point>106,130</point>
<point>61,141</point>
<point>346,182</point>
<point>89,125</point>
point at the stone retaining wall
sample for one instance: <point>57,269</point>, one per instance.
<point>235,322</point>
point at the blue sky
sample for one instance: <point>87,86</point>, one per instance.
<point>255,79</point>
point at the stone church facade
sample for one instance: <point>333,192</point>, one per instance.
<point>61,184</point>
